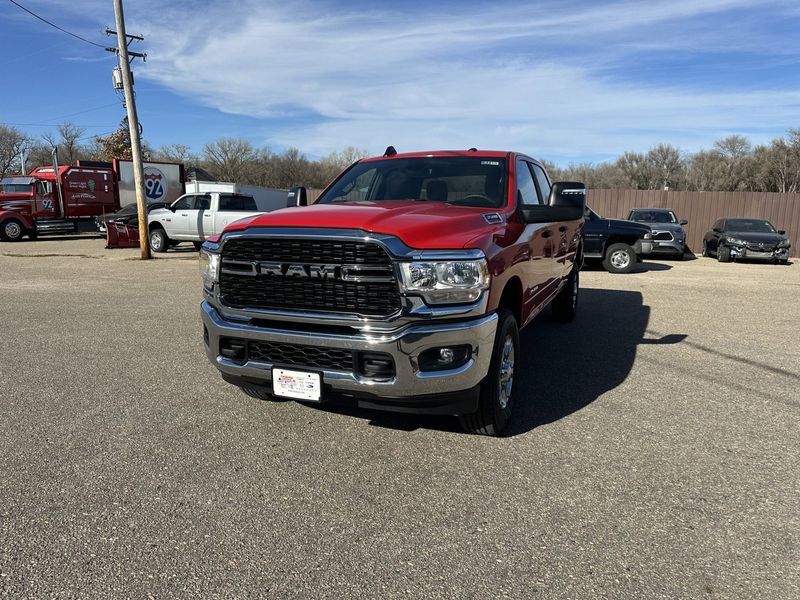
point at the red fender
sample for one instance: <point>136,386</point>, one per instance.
<point>27,222</point>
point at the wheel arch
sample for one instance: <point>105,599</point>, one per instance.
<point>511,298</point>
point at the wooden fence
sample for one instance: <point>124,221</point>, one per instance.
<point>701,209</point>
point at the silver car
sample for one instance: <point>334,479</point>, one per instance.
<point>669,237</point>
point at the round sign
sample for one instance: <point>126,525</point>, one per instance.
<point>155,184</point>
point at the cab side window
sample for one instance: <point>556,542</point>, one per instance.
<point>184,203</point>
<point>236,202</point>
<point>202,202</point>
<point>526,188</point>
<point>544,184</point>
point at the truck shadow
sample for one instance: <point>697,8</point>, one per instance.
<point>563,367</point>
<point>566,368</point>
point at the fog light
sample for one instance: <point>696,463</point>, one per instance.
<point>446,355</point>
<point>441,359</point>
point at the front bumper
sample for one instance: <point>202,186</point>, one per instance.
<point>643,247</point>
<point>409,390</point>
<point>674,247</point>
<point>750,254</point>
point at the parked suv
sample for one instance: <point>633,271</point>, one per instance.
<point>668,235</point>
<point>403,288</point>
<point>619,244</point>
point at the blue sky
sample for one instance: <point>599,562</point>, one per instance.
<point>566,81</point>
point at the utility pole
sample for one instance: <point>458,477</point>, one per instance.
<point>133,123</point>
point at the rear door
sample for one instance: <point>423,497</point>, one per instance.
<point>232,207</point>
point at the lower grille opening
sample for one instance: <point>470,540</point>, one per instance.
<point>375,365</point>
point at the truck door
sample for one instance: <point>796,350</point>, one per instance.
<point>564,238</point>
<point>543,272</point>
<point>177,224</point>
<point>595,232</point>
<point>45,204</point>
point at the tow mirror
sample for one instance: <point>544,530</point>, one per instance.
<point>297,197</point>
<point>684,222</point>
<point>781,231</point>
<point>717,230</point>
<point>567,202</point>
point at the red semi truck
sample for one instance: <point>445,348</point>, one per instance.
<point>56,199</point>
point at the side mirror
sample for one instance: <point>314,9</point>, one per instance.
<point>297,197</point>
<point>567,202</point>
<point>684,222</point>
<point>717,230</point>
<point>781,231</point>
<point>172,207</point>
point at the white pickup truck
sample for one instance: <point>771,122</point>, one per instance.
<point>196,217</point>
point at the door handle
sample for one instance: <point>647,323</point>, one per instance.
<point>547,233</point>
<point>184,214</point>
<point>563,228</point>
<point>207,216</point>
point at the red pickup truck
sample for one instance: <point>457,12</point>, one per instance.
<point>402,288</point>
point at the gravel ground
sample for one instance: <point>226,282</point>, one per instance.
<point>655,454</point>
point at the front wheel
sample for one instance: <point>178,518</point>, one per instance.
<point>11,231</point>
<point>498,390</point>
<point>620,258</point>
<point>159,242</point>
<point>704,251</point>
<point>723,253</point>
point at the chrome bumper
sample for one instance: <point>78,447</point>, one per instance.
<point>404,345</point>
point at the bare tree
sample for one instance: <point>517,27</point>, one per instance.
<point>230,159</point>
<point>12,142</point>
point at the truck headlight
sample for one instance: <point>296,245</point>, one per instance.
<point>446,281</point>
<point>209,268</point>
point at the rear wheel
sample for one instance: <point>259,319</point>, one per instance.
<point>620,258</point>
<point>198,245</point>
<point>566,303</point>
<point>159,242</point>
<point>11,230</point>
<point>723,253</point>
<point>498,390</point>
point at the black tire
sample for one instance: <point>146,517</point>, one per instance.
<point>11,230</point>
<point>704,251</point>
<point>159,242</point>
<point>565,305</point>
<point>495,408</point>
<point>197,245</point>
<point>260,394</point>
<point>256,393</point>
<point>619,258</point>
<point>723,253</point>
<point>33,234</point>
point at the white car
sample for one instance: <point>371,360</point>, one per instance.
<point>195,217</point>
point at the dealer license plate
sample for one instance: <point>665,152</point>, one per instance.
<point>299,385</point>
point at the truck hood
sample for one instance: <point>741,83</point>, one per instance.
<point>631,225</point>
<point>420,224</point>
<point>673,227</point>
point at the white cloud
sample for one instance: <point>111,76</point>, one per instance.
<point>508,76</point>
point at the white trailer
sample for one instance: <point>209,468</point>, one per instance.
<point>267,199</point>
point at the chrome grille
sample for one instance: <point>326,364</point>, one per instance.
<point>251,289</point>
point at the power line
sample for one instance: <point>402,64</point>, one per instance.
<point>75,35</point>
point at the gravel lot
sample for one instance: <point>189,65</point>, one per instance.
<point>656,454</point>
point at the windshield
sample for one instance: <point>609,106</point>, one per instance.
<point>652,216</point>
<point>458,180</point>
<point>752,225</point>
<point>10,188</point>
